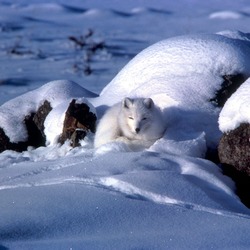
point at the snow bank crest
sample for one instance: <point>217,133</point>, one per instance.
<point>236,110</point>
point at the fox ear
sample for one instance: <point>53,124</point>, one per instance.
<point>148,103</point>
<point>127,103</point>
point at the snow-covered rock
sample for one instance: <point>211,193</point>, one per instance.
<point>234,146</point>
<point>236,110</point>
<point>57,93</point>
<point>193,64</point>
<point>185,76</point>
<point>234,121</point>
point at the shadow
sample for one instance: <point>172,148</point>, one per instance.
<point>188,121</point>
<point>3,247</point>
<point>73,9</point>
<point>148,162</point>
<point>242,183</point>
<point>10,27</point>
<point>15,82</point>
<point>101,110</point>
<point>158,11</point>
<point>230,84</point>
<point>121,13</point>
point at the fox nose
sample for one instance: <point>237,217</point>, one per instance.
<point>137,130</point>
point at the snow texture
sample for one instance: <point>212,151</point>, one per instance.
<point>166,197</point>
<point>167,66</point>
<point>236,110</point>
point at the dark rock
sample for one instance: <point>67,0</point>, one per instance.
<point>35,137</point>
<point>230,84</point>
<point>4,141</point>
<point>234,148</point>
<point>77,135</point>
<point>212,155</point>
<point>77,123</point>
<point>40,116</point>
<point>234,155</point>
<point>242,182</point>
<point>34,123</point>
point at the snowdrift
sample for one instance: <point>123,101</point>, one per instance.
<point>168,196</point>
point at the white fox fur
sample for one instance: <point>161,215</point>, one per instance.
<point>137,122</point>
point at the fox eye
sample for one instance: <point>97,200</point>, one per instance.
<point>131,118</point>
<point>144,118</point>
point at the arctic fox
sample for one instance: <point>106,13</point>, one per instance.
<point>136,122</point>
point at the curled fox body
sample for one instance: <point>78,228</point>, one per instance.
<point>133,121</point>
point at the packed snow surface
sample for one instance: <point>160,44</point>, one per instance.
<point>165,197</point>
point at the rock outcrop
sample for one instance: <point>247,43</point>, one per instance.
<point>34,124</point>
<point>78,122</point>
<point>234,155</point>
<point>234,148</point>
<point>230,84</point>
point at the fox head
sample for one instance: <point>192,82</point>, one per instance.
<point>138,113</point>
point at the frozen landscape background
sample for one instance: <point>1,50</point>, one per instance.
<point>167,197</point>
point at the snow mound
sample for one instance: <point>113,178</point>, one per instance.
<point>182,74</point>
<point>43,7</point>
<point>58,93</point>
<point>235,35</point>
<point>226,14</point>
<point>237,109</point>
<point>93,12</point>
<point>104,13</point>
<point>191,64</point>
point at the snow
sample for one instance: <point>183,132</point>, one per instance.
<point>191,63</point>
<point>226,15</point>
<point>236,109</point>
<point>165,197</point>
